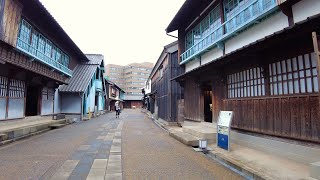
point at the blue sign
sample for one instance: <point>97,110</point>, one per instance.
<point>223,141</point>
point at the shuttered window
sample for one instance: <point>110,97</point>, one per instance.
<point>249,83</point>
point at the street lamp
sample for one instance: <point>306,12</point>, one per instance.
<point>203,145</point>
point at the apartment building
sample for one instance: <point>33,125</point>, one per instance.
<point>131,79</point>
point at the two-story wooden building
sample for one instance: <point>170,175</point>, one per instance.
<point>36,56</point>
<point>115,94</point>
<point>166,94</point>
<point>254,57</point>
<point>85,94</point>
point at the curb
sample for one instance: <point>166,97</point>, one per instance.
<point>16,134</point>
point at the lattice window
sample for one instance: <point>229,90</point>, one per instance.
<point>249,83</point>
<point>3,86</point>
<point>47,94</point>
<point>294,76</point>
<point>16,89</point>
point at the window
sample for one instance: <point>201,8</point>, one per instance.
<point>249,83</point>
<point>3,86</point>
<point>16,89</point>
<point>30,40</point>
<point>204,28</point>
<point>294,76</point>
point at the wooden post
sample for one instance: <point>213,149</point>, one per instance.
<point>317,52</point>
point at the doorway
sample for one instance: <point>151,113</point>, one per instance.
<point>207,106</point>
<point>32,100</point>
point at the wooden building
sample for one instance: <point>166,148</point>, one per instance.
<point>256,58</point>
<point>115,94</point>
<point>165,94</point>
<point>36,56</point>
<point>85,93</point>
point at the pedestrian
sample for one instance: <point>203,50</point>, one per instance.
<point>117,109</point>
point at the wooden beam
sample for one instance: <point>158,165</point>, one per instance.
<point>317,52</point>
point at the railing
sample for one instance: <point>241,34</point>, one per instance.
<point>40,56</point>
<point>251,13</point>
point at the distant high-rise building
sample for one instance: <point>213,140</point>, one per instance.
<point>131,79</point>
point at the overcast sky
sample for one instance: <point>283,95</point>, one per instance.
<point>124,31</point>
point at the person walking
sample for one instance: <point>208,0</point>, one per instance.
<point>117,109</point>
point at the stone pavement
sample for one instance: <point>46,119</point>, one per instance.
<point>150,153</point>
<point>78,151</point>
<point>129,147</point>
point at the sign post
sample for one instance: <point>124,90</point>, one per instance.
<point>223,129</point>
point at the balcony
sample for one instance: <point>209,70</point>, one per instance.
<point>248,15</point>
<point>35,53</point>
<point>98,85</point>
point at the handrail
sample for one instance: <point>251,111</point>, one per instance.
<point>52,63</point>
<point>201,46</point>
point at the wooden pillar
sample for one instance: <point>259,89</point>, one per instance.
<point>315,39</point>
<point>217,97</point>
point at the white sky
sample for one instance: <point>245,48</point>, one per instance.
<point>124,31</point>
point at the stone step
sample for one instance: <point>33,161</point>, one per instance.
<point>18,132</point>
<point>202,132</point>
<point>56,126</point>
<point>185,138</point>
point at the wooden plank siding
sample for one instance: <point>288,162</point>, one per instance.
<point>10,21</point>
<point>194,109</point>
<point>293,116</point>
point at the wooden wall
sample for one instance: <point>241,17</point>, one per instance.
<point>193,98</point>
<point>10,19</point>
<point>292,116</point>
<point>13,57</point>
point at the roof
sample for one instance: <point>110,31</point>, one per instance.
<point>36,9</point>
<point>94,59</point>
<point>114,84</point>
<point>187,13</point>
<point>173,47</point>
<point>80,79</point>
<point>312,22</point>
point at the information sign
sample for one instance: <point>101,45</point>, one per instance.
<point>223,129</point>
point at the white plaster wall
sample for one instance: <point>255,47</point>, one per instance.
<point>274,23</point>
<point>16,108</point>
<point>192,64</point>
<point>304,9</point>
<point>46,107</point>
<point>2,108</point>
<point>70,103</point>
<point>211,55</point>
<point>57,102</point>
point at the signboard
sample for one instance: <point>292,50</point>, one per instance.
<point>223,129</point>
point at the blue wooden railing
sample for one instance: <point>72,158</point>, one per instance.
<point>40,56</point>
<point>249,14</point>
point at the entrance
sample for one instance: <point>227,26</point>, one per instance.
<point>207,106</point>
<point>32,100</point>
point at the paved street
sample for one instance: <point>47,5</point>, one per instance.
<point>131,147</point>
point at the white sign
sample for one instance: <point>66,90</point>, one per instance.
<point>225,118</point>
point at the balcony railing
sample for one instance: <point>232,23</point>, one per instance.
<point>40,56</point>
<point>251,13</point>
